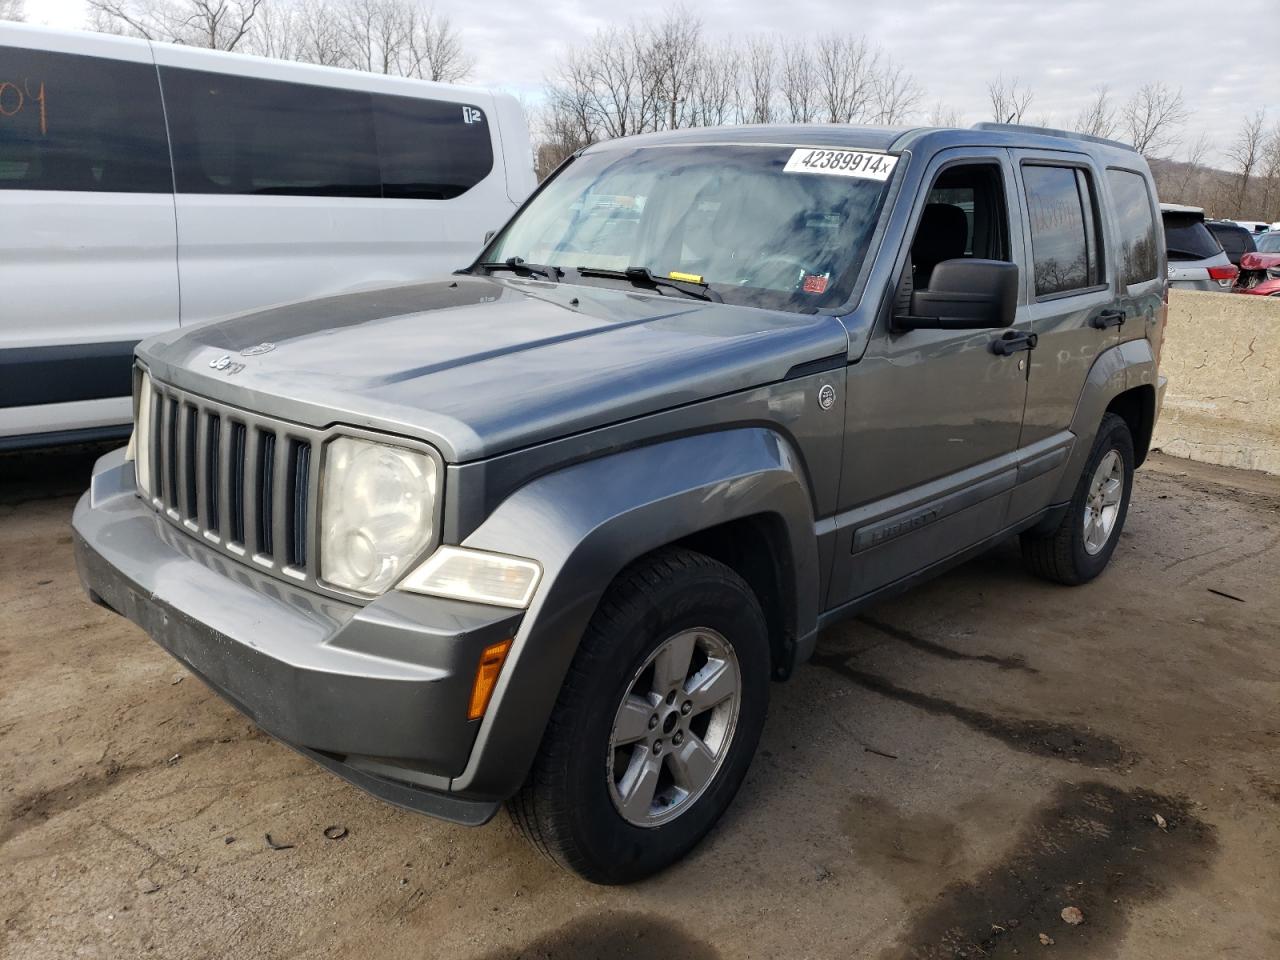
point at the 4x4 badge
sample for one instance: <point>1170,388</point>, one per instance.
<point>826,396</point>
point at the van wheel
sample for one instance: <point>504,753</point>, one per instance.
<point>656,723</point>
<point>1078,550</point>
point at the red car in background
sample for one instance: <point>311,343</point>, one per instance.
<point>1260,272</point>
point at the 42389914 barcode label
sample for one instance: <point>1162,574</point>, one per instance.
<point>841,163</point>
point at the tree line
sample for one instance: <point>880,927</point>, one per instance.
<point>401,37</point>
<point>664,73</point>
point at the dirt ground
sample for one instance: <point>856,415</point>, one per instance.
<point>955,768</point>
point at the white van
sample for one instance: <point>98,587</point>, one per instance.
<point>145,185</point>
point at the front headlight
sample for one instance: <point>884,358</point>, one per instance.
<point>140,441</point>
<point>377,509</point>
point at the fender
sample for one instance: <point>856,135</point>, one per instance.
<point>1116,369</point>
<point>584,524</point>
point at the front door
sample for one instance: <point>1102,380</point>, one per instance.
<point>933,416</point>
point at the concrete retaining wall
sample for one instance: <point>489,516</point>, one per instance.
<point>1222,357</point>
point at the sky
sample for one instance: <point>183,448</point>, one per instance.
<point>1223,57</point>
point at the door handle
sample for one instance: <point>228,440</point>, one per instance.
<point>1012,342</point>
<point>1108,318</point>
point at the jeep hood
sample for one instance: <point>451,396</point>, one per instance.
<point>477,366</point>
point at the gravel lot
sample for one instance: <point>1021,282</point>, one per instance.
<point>955,768</point>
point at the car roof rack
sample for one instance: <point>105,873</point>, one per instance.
<point>1051,132</point>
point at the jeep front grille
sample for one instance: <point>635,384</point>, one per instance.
<point>241,482</point>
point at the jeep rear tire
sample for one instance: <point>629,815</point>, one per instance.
<point>1082,543</point>
<point>656,723</point>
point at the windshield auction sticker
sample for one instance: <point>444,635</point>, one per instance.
<point>841,163</point>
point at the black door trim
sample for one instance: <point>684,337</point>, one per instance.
<point>31,376</point>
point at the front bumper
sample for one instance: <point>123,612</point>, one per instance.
<point>378,694</point>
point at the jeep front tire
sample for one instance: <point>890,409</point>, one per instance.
<point>656,723</point>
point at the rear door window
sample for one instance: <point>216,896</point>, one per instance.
<point>71,122</point>
<point>1064,237</point>
<point>1135,216</point>
<point>1187,238</point>
<point>243,135</point>
<point>430,149</point>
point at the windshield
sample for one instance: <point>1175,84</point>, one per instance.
<point>733,220</point>
<point>1187,238</point>
<point>1269,243</point>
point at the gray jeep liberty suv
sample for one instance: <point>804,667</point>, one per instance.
<point>543,531</point>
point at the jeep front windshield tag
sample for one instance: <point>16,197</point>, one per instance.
<point>864,164</point>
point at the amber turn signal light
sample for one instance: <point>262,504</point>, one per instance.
<point>491,661</point>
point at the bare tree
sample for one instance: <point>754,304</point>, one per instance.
<point>942,115</point>
<point>217,24</point>
<point>715,98</point>
<point>1010,100</point>
<point>847,73</point>
<point>1269,206</point>
<point>1151,117</point>
<point>12,10</point>
<point>673,59</point>
<point>756,95</point>
<point>897,95</point>
<point>1245,152</point>
<point>1098,117</point>
<point>376,34</point>
<point>1193,165</point>
<point>436,51</point>
<point>799,83</point>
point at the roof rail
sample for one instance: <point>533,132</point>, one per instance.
<point>1051,132</point>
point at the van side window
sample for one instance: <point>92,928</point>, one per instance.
<point>241,135</point>
<point>964,216</point>
<point>1137,222</point>
<point>69,122</point>
<point>429,149</point>
<point>1064,235</point>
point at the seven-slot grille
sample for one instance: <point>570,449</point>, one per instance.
<point>245,484</point>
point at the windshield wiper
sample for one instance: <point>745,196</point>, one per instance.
<point>643,276</point>
<point>520,266</point>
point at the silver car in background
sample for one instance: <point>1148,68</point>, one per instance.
<point>1196,258</point>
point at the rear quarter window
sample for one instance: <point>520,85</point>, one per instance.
<point>1135,217</point>
<point>88,124</point>
<point>430,149</point>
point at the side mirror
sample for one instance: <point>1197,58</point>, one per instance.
<point>965,295</point>
<point>488,235</point>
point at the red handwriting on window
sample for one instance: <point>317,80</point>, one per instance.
<point>15,97</point>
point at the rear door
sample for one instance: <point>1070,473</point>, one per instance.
<point>87,249</point>
<point>1074,311</point>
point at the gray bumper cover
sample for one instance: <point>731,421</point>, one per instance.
<point>377,694</point>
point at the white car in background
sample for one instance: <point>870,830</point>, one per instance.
<point>145,186</point>
<point>1253,226</point>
